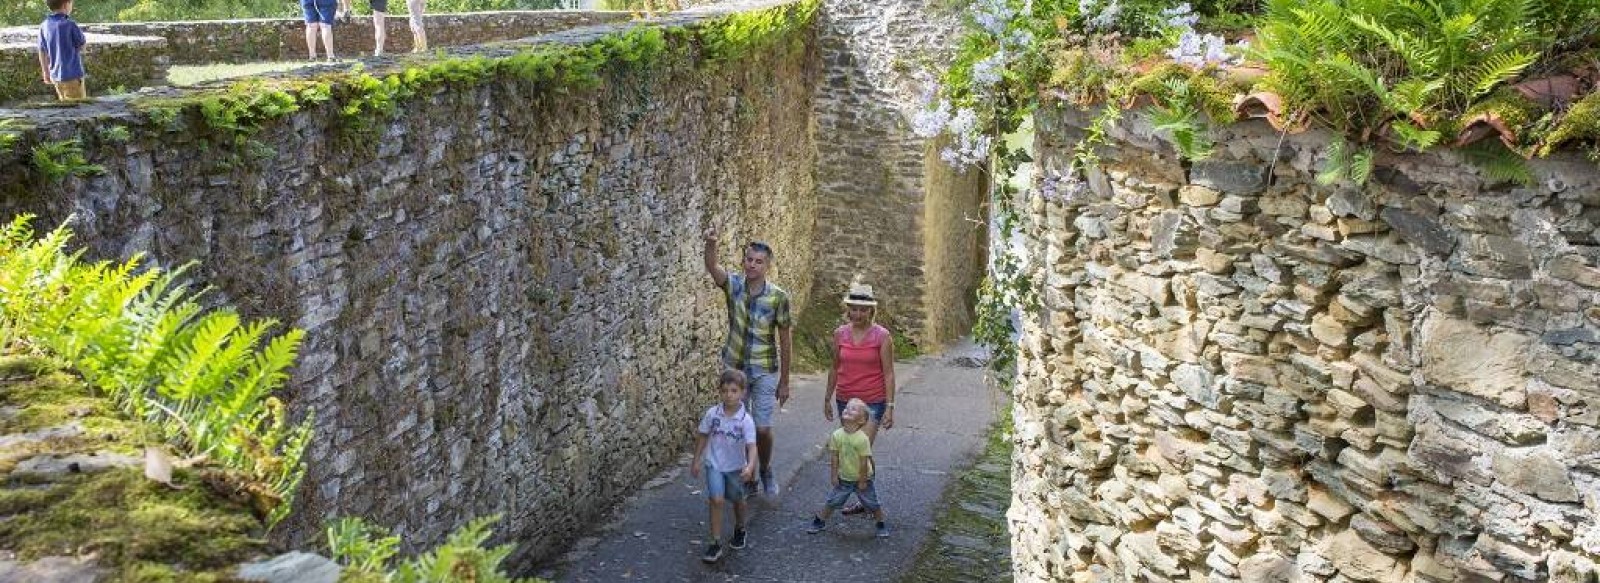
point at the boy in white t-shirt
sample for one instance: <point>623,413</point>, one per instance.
<point>729,432</point>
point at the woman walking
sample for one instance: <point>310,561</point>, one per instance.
<point>863,363</point>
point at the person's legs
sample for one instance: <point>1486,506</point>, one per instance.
<point>71,90</point>
<point>419,36</point>
<point>380,33</point>
<point>762,401</point>
<point>311,39</point>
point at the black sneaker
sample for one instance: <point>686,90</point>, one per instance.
<point>739,540</point>
<point>816,525</point>
<point>712,553</point>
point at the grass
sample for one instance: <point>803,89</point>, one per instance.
<point>185,75</point>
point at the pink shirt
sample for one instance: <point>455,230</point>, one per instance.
<point>858,371</point>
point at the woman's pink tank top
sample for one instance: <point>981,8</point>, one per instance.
<point>859,368</point>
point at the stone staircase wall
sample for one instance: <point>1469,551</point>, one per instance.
<point>1239,374</point>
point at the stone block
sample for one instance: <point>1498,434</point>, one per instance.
<point>1537,472</point>
<point>1572,268</point>
<point>1421,231</point>
<point>1229,176</point>
<point>1360,561</point>
<point>1193,195</point>
<point>1461,356</point>
<point>1349,202</point>
<point>1438,450</point>
<point>1495,256</point>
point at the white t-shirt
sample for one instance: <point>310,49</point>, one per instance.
<point>728,436</point>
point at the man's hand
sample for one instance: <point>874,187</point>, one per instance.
<point>711,235</point>
<point>694,469</point>
<point>46,76</point>
<point>783,391</point>
<point>888,418</point>
<point>748,473</point>
<point>827,409</point>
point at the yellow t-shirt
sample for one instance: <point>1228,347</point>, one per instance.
<point>851,447</point>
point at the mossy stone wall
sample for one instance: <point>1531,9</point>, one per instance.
<point>501,282</point>
<point>1239,373</point>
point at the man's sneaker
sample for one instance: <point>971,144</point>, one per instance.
<point>816,525</point>
<point>712,553</point>
<point>769,486</point>
<point>883,530</point>
<point>739,540</point>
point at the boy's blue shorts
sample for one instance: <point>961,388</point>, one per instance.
<point>842,492</point>
<point>724,485</point>
<point>319,10</point>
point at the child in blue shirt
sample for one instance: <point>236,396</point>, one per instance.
<point>60,47</point>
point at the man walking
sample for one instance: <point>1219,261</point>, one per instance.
<point>760,338</point>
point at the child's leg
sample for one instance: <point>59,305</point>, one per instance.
<point>380,33</point>
<point>716,520</point>
<point>327,39</point>
<point>419,36</point>
<point>740,511</point>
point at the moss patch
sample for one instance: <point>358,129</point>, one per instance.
<point>970,539</point>
<point>133,525</point>
<point>138,529</point>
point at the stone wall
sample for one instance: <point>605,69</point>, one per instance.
<point>501,284</point>
<point>1237,378</point>
<point>284,39</point>
<point>888,215</point>
<point>109,61</point>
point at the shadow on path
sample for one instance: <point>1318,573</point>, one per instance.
<point>943,411</point>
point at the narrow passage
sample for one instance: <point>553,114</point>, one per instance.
<point>944,410</point>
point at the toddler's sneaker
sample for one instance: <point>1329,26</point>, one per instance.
<point>739,540</point>
<point>816,525</point>
<point>883,530</point>
<point>712,553</point>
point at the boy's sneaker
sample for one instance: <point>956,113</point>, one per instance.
<point>739,540</point>
<point>712,553</point>
<point>816,525</point>
<point>769,486</point>
<point>883,530</point>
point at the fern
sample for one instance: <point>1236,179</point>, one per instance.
<point>58,160</point>
<point>366,552</point>
<point>203,378</point>
<point>1497,163</point>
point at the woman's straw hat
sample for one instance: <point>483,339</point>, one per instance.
<point>860,294</point>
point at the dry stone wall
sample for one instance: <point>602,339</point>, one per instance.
<point>501,283</point>
<point>888,215</point>
<point>126,62</point>
<point>1239,374</point>
<point>206,42</point>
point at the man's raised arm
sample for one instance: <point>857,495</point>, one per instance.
<point>718,275</point>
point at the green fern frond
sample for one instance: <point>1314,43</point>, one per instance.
<point>1498,69</point>
<point>1498,163</point>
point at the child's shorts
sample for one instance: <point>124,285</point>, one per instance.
<point>842,492</point>
<point>724,485</point>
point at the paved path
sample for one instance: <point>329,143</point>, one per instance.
<point>659,533</point>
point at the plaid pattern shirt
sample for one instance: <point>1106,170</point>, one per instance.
<point>753,324</point>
